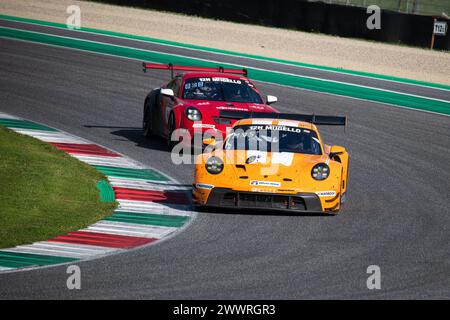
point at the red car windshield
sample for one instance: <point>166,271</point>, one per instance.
<point>220,89</point>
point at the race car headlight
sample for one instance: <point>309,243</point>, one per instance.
<point>193,114</point>
<point>320,171</point>
<point>214,165</point>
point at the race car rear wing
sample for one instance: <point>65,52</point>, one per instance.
<point>311,118</point>
<point>172,68</point>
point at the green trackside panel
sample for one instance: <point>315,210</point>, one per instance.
<point>144,174</point>
<point>231,53</point>
<point>24,124</point>
<point>354,91</point>
<point>106,191</point>
<point>149,219</point>
<point>21,260</point>
<point>318,85</point>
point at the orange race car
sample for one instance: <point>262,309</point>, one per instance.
<point>273,161</point>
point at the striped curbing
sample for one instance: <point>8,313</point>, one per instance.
<point>152,206</point>
<point>106,161</point>
<point>55,137</point>
<point>142,184</point>
<point>63,249</point>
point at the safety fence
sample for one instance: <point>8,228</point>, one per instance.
<point>318,16</point>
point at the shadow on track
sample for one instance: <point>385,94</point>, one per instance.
<point>260,212</point>
<point>135,135</point>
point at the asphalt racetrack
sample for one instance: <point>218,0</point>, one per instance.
<point>397,215</point>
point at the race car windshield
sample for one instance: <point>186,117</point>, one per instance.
<point>220,89</point>
<point>273,138</point>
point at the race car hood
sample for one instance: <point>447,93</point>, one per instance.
<point>286,172</point>
<point>258,164</point>
<point>210,109</point>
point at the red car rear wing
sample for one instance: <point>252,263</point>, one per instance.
<point>171,67</point>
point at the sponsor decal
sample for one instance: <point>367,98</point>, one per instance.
<point>203,125</point>
<point>231,108</point>
<point>284,158</point>
<point>204,186</point>
<point>275,128</point>
<point>220,79</point>
<point>265,183</point>
<point>326,193</point>
<point>257,107</point>
<point>265,190</point>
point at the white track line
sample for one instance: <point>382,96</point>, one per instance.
<point>5,269</point>
<point>7,116</point>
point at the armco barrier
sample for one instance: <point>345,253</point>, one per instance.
<point>344,21</point>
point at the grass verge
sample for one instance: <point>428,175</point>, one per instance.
<point>44,192</point>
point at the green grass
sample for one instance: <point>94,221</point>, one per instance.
<point>44,192</point>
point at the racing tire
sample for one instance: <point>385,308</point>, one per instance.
<point>147,124</point>
<point>172,127</point>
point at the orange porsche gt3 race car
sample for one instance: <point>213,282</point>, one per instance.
<point>275,162</point>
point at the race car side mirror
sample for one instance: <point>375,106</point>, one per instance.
<point>335,150</point>
<point>271,99</point>
<point>167,92</point>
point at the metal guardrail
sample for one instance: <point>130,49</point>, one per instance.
<point>423,7</point>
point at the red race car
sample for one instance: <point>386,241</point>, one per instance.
<point>193,100</point>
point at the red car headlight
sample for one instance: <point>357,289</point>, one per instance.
<point>193,114</point>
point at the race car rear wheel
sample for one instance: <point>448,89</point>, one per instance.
<point>147,119</point>
<point>172,127</point>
